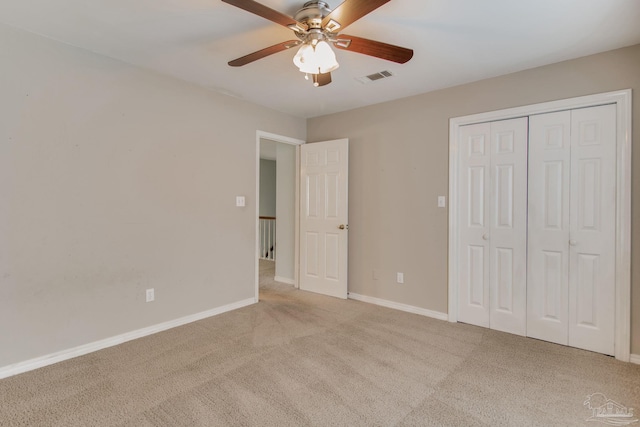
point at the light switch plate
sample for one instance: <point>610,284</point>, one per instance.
<point>240,202</point>
<point>442,201</point>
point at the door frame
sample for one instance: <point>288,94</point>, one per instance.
<point>285,140</point>
<point>622,100</point>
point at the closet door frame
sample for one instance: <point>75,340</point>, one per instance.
<point>622,100</point>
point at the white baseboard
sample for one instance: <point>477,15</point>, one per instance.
<point>635,358</point>
<point>284,280</point>
<point>50,359</point>
<point>399,306</point>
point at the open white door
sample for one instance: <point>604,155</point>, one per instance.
<point>324,170</point>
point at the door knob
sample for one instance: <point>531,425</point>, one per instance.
<point>573,242</point>
<point>485,236</point>
<point>343,227</point>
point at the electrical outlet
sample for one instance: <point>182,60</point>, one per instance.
<point>240,201</point>
<point>150,295</point>
<point>400,277</point>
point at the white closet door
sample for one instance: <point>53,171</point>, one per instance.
<point>592,233</point>
<point>492,225</point>
<point>571,243</point>
<point>473,224</point>
<point>548,242</point>
<point>508,226</point>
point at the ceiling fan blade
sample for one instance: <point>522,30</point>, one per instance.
<point>267,13</point>
<point>373,48</point>
<point>263,53</point>
<point>352,10</point>
<point>322,79</point>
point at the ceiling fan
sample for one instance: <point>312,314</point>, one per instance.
<point>316,27</point>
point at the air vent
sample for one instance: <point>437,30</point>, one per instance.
<point>373,77</point>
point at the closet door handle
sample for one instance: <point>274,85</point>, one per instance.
<point>485,236</point>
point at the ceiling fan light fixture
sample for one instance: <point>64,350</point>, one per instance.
<point>325,57</point>
<point>315,59</point>
<point>305,59</point>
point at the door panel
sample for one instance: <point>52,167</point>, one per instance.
<point>333,195</point>
<point>312,254</point>
<point>587,272</point>
<point>589,188</point>
<point>592,234</point>
<point>571,246</point>
<point>548,227</point>
<point>553,175</point>
<point>477,193</point>
<point>552,286</point>
<point>332,263</point>
<point>504,278</point>
<point>473,295</point>
<point>504,196</point>
<point>313,196</point>
<point>477,272</point>
<point>323,247</point>
<point>508,226</point>
<point>493,225</point>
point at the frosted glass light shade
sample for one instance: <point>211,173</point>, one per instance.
<point>315,60</point>
<point>326,59</point>
<point>305,59</point>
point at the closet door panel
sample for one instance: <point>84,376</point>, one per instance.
<point>508,225</point>
<point>473,226</point>
<point>592,234</point>
<point>548,227</point>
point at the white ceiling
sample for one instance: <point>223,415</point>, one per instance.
<point>455,41</point>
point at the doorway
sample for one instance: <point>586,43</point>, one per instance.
<point>276,251</point>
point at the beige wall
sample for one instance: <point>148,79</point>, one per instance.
<point>114,180</point>
<point>399,165</point>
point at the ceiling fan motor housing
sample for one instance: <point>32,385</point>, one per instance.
<point>312,14</point>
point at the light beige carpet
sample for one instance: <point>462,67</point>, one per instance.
<point>300,359</point>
